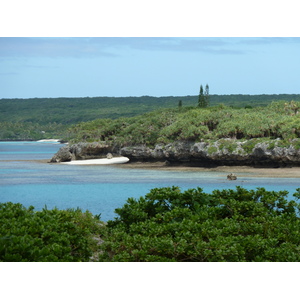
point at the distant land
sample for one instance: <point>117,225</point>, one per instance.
<point>74,110</point>
<point>53,118</point>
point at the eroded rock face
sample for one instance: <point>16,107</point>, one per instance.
<point>63,154</point>
<point>205,154</point>
<point>137,153</point>
<point>82,151</point>
<point>94,150</point>
<point>197,154</point>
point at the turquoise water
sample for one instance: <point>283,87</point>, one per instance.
<point>99,189</point>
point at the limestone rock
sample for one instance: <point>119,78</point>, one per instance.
<point>137,153</point>
<point>109,156</point>
<point>90,150</point>
<point>231,177</point>
<point>62,155</point>
<point>222,152</point>
<point>82,151</point>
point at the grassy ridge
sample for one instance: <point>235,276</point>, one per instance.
<point>277,120</point>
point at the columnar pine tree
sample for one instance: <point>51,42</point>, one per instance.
<point>206,95</point>
<point>180,104</point>
<point>203,99</point>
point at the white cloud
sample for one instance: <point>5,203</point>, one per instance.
<point>109,46</point>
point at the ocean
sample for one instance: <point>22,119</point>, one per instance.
<point>26,179</point>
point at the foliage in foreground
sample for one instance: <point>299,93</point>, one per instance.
<point>224,226</point>
<point>166,225</point>
<point>47,235</point>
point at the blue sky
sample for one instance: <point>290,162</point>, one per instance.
<point>137,66</point>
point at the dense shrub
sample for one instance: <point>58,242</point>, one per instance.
<point>165,225</point>
<point>48,235</point>
<point>277,120</point>
<point>226,225</point>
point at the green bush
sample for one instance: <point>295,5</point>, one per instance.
<point>249,145</point>
<point>212,149</point>
<point>226,225</point>
<point>165,225</point>
<point>230,145</point>
<point>192,124</point>
<point>47,235</point>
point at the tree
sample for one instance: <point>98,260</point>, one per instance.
<point>47,235</point>
<point>180,104</point>
<point>226,225</point>
<point>206,95</point>
<point>203,99</point>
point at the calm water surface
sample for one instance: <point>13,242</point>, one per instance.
<point>99,189</point>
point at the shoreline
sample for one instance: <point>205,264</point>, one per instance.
<point>58,141</point>
<point>100,161</point>
<point>242,171</point>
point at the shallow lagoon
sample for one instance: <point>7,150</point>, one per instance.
<point>100,189</point>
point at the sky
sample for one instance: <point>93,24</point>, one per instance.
<point>167,50</point>
<point>155,66</point>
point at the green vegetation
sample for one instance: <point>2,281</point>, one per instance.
<point>212,149</point>
<point>165,225</point>
<point>249,145</point>
<point>279,120</point>
<point>228,144</point>
<point>203,98</point>
<point>31,131</point>
<point>47,235</point>
<point>75,110</point>
<point>38,113</point>
<point>227,225</point>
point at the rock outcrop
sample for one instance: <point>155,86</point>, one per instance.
<point>62,155</point>
<point>222,152</point>
<point>231,177</point>
<point>82,151</point>
<point>207,154</point>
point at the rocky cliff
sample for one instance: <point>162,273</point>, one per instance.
<point>83,151</point>
<point>256,152</point>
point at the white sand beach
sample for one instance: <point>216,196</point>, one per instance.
<point>48,141</point>
<point>100,161</point>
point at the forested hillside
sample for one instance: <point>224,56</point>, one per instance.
<point>74,110</point>
<point>31,119</point>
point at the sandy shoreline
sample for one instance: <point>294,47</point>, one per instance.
<point>48,140</point>
<point>100,161</point>
<point>243,171</point>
